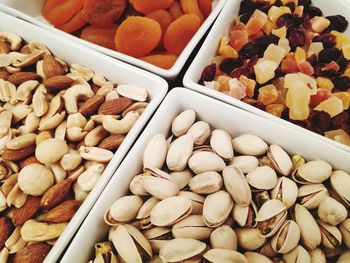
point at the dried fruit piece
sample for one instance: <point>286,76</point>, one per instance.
<point>256,22</point>
<point>58,12</point>
<point>320,96</point>
<point>175,10</point>
<point>238,38</point>
<point>165,61</point>
<point>319,121</point>
<point>345,97</point>
<point>338,136</point>
<point>162,17</point>
<point>102,36</point>
<point>267,94</point>
<point>298,99</point>
<point>191,7</point>
<point>205,7</point>
<point>275,109</point>
<point>208,73</point>
<point>74,24</point>
<point>338,23</point>
<point>148,6</point>
<point>265,70</point>
<point>333,106</point>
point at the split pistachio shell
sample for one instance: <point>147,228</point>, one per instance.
<point>182,178</point>
<point>223,237</point>
<point>287,237</point>
<point>213,214</point>
<point>331,211</point>
<point>344,228</point>
<point>245,163</point>
<point>180,249</point>
<point>340,183</point>
<point>280,160</point>
<point>262,178</point>
<point>170,211</point>
<point>267,250</point>
<point>309,230</point>
<point>220,255</point>
<point>157,236</point>
<point>146,208</point>
<point>201,162</point>
<point>192,226</point>
<point>136,185</point>
<point>331,236</point>
<point>254,257</point>
<point>249,238</point>
<point>314,172</point>
<point>344,257</point>
<point>206,183</point>
<point>245,215</point>
<point>179,153</point>
<point>317,256</point>
<point>297,255</point>
<point>220,142</point>
<point>155,152</point>
<point>237,185</point>
<point>286,191</point>
<point>311,195</point>
<point>200,132</point>
<point>196,200</point>
<point>248,144</point>
<point>183,122</point>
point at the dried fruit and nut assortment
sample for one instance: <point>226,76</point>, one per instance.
<point>204,195</point>
<point>286,58</point>
<point>59,127</point>
<point>154,31</point>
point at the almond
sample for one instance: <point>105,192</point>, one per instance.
<point>5,47</point>
<point>58,83</point>
<point>112,143</point>
<point>27,211</point>
<point>115,107</point>
<point>52,67</point>
<point>61,213</point>
<point>56,194</point>
<point>6,229</point>
<point>33,253</point>
<point>91,106</point>
<point>4,75</point>
<point>28,161</point>
<point>20,77</point>
<point>15,155</point>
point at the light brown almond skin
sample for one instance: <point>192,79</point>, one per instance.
<point>95,87</point>
<point>61,213</point>
<point>5,47</point>
<point>56,194</point>
<point>27,211</point>
<point>6,229</point>
<point>91,106</point>
<point>15,155</point>
<point>115,107</point>
<point>34,253</point>
<point>112,143</point>
<point>58,83</point>
<point>4,75</point>
<point>52,67</point>
<point>21,77</point>
<point>28,161</point>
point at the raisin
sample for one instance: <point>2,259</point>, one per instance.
<point>248,50</point>
<point>286,20</point>
<point>305,3</point>
<point>328,40</point>
<point>264,41</point>
<point>329,73</point>
<point>329,54</point>
<point>312,60</point>
<point>291,5</point>
<point>208,73</point>
<point>296,37</point>
<point>247,6</point>
<point>229,64</point>
<point>338,23</point>
<point>247,69</point>
<point>319,121</point>
<point>313,11</point>
<point>306,22</point>
<point>342,62</point>
<point>341,83</point>
<point>340,120</point>
<point>245,18</point>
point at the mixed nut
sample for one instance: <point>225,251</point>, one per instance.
<point>60,125</point>
<point>204,196</point>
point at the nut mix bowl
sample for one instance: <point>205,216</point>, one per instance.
<point>32,12</point>
<point>305,84</point>
<point>199,186</point>
<point>68,117</point>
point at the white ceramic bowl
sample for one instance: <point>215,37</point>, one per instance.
<point>218,115</point>
<point>209,48</point>
<point>31,11</point>
<point>113,70</point>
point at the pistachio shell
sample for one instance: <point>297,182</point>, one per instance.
<point>245,162</point>
<point>220,142</point>
<point>183,122</point>
<point>280,159</point>
<point>245,215</point>
<point>146,208</point>
<point>220,255</point>
<point>248,144</point>
<point>237,185</point>
<point>155,152</point>
<point>286,191</point>
<point>249,238</point>
<point>197,201</point>
<point>317,256</point>
<point>200,132</point>
<point>157,236</point>
<point>192,226</point>
<point>179,153</point>
<point>136,185</point>
<point>314,172</point>
<point>344,228</point>
<point>340,183</point>
<point>206,183</point>
<point>223,237</point>
<point>262,178</point>
<point>344,257</point>
<point>201,162</point>
<point>331,211</point>
<point>159,187</point>
<point>182,178</point>
<point>297,255</point>
<point>311,195</point>
<point>287,237</point>
<point>254,257</point>
<point>180,249</point>
<point>331,236</point>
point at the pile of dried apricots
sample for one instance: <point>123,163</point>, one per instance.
<point>155,31</point>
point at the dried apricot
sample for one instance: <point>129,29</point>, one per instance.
<point>180,32</point>
<point>137,36</point>
<point>175,10</point>
<point>165,61</point>
<point>74,24</point>
<point>205,7</point>
<point>103,36</point>
<point>191,7</point>
<point>59,12</point>
<point>103,12</point>
<point>162,17</point>
<point>148,6</point>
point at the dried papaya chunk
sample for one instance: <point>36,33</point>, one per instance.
<point>74,24</point>
<point>191,7</point>
<point>137,36</point>
<point>103,36</point>
<point>165,61</point>
<point>180,32</point>
<point>148,6</point>
<point>59,12</point>
<point>103,12</point>
<point>175,10</point>
<point>205,7</point>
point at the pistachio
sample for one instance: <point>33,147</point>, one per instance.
<point>157,236</point>
<point>206,183</point>
<point>223,237</point>
<point>200,132</point>
<point>340,183</point>
<point>331,236</point>
<point>217,255</point>
<point>280,160</point>
<point>196,200</point>
<point>155,152</point>
<point>331,211</point>
<point>179,152</point>
<point>237,185</point>
<point>287,238</point>
<point>297,255</point>
<point>344,228</point>
<point>220,142</point>
<point>262,178</point>
<point>245,215</point>
<point>312,195</point>
<point>245,163</point>
<point>182,178</point>
<point>249,238</point>
<point>192,226</point>
<point>286,191</point>
<point>317,256</point>
<point>183,122</point>
<point>314,172</point>
<point>202,161</point>
<point>248,144</point>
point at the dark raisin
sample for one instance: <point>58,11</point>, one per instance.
<point>338,23</point>
<point>245,18</point>
<point>342,62</point>
<point>248,50</point>
<point>247,6</point>
<point>329,54</point>
<point>306,22</point>
<point>312,60</point>
<point>286,20</point>
<point>329,73</point>
<point>264,41</point>
<point>229,64</point>
<point>305,3</point>
<point>328,40</point>
<point>342,83</point>
<point>291,5</point>
<point>319,121</point>
<point>296,37</point>
<point>247,69</point>
<point>313,11</point>
<point>340,120</point>
<point>208,73</point>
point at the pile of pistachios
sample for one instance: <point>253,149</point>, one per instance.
<point>204,196</point>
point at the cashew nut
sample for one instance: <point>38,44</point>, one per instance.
<point>40,104</point>
<point>25,89</point>
<point>29,59</point>
<point>122,126</point>
<point>76,120</point>
<point>74,94</point>
<point>79,80</point>
<point>12,70</point>
<point>84,72</point>
<point>75,134</point>
<point>14,39</point>
<point>100,80</point>
<point>60,132</point>
<point>99,118</point>
<point>95,136</point>
<point>89,178</point>
<point>31,124</point>
<point>5,60</point>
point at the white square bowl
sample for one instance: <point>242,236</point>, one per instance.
<point>209,49</point>
<point>218,115</point>
<point>113,70</point>
<point>30,10</point>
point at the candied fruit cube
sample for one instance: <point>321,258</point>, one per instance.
<point>289,66</point>
<point>237,89</point>
<point>282,97</point>
<point>333,106</point>
<point>268,27</point>
<point>290,80</point>
<point>315,48</point>
<point>347,72</point>
<point>338,136</point>
<point>309,81</point>
<point>268,94</point>
<point>297,100</point>
<point>265,70</point>
<point>345,97</point>
<point>275,109</point>
<point>280,32</point>
<point>319,23</point>
<point>341,39</point>
<point>274,53</point>
<point>305,68</point>
<point>225,50</point>
<point>324,83</point>
<point>346,51</point>
<point>320,96</point>
<point>211,84</point>
<point>284,2</point>
<point>300,54</point>
<point>249,84</point>
<point>299,11</point>
<point>223,83</point>
<point>299,79</point>
<point>275,12</point>
<point>238,38</point>
<point>256,22</point>
<point>284,43</point>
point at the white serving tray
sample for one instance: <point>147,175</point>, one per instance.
<point>30,10</point>
<point>209,48</point>
<point>113,70</point>
<point>218,115</point>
